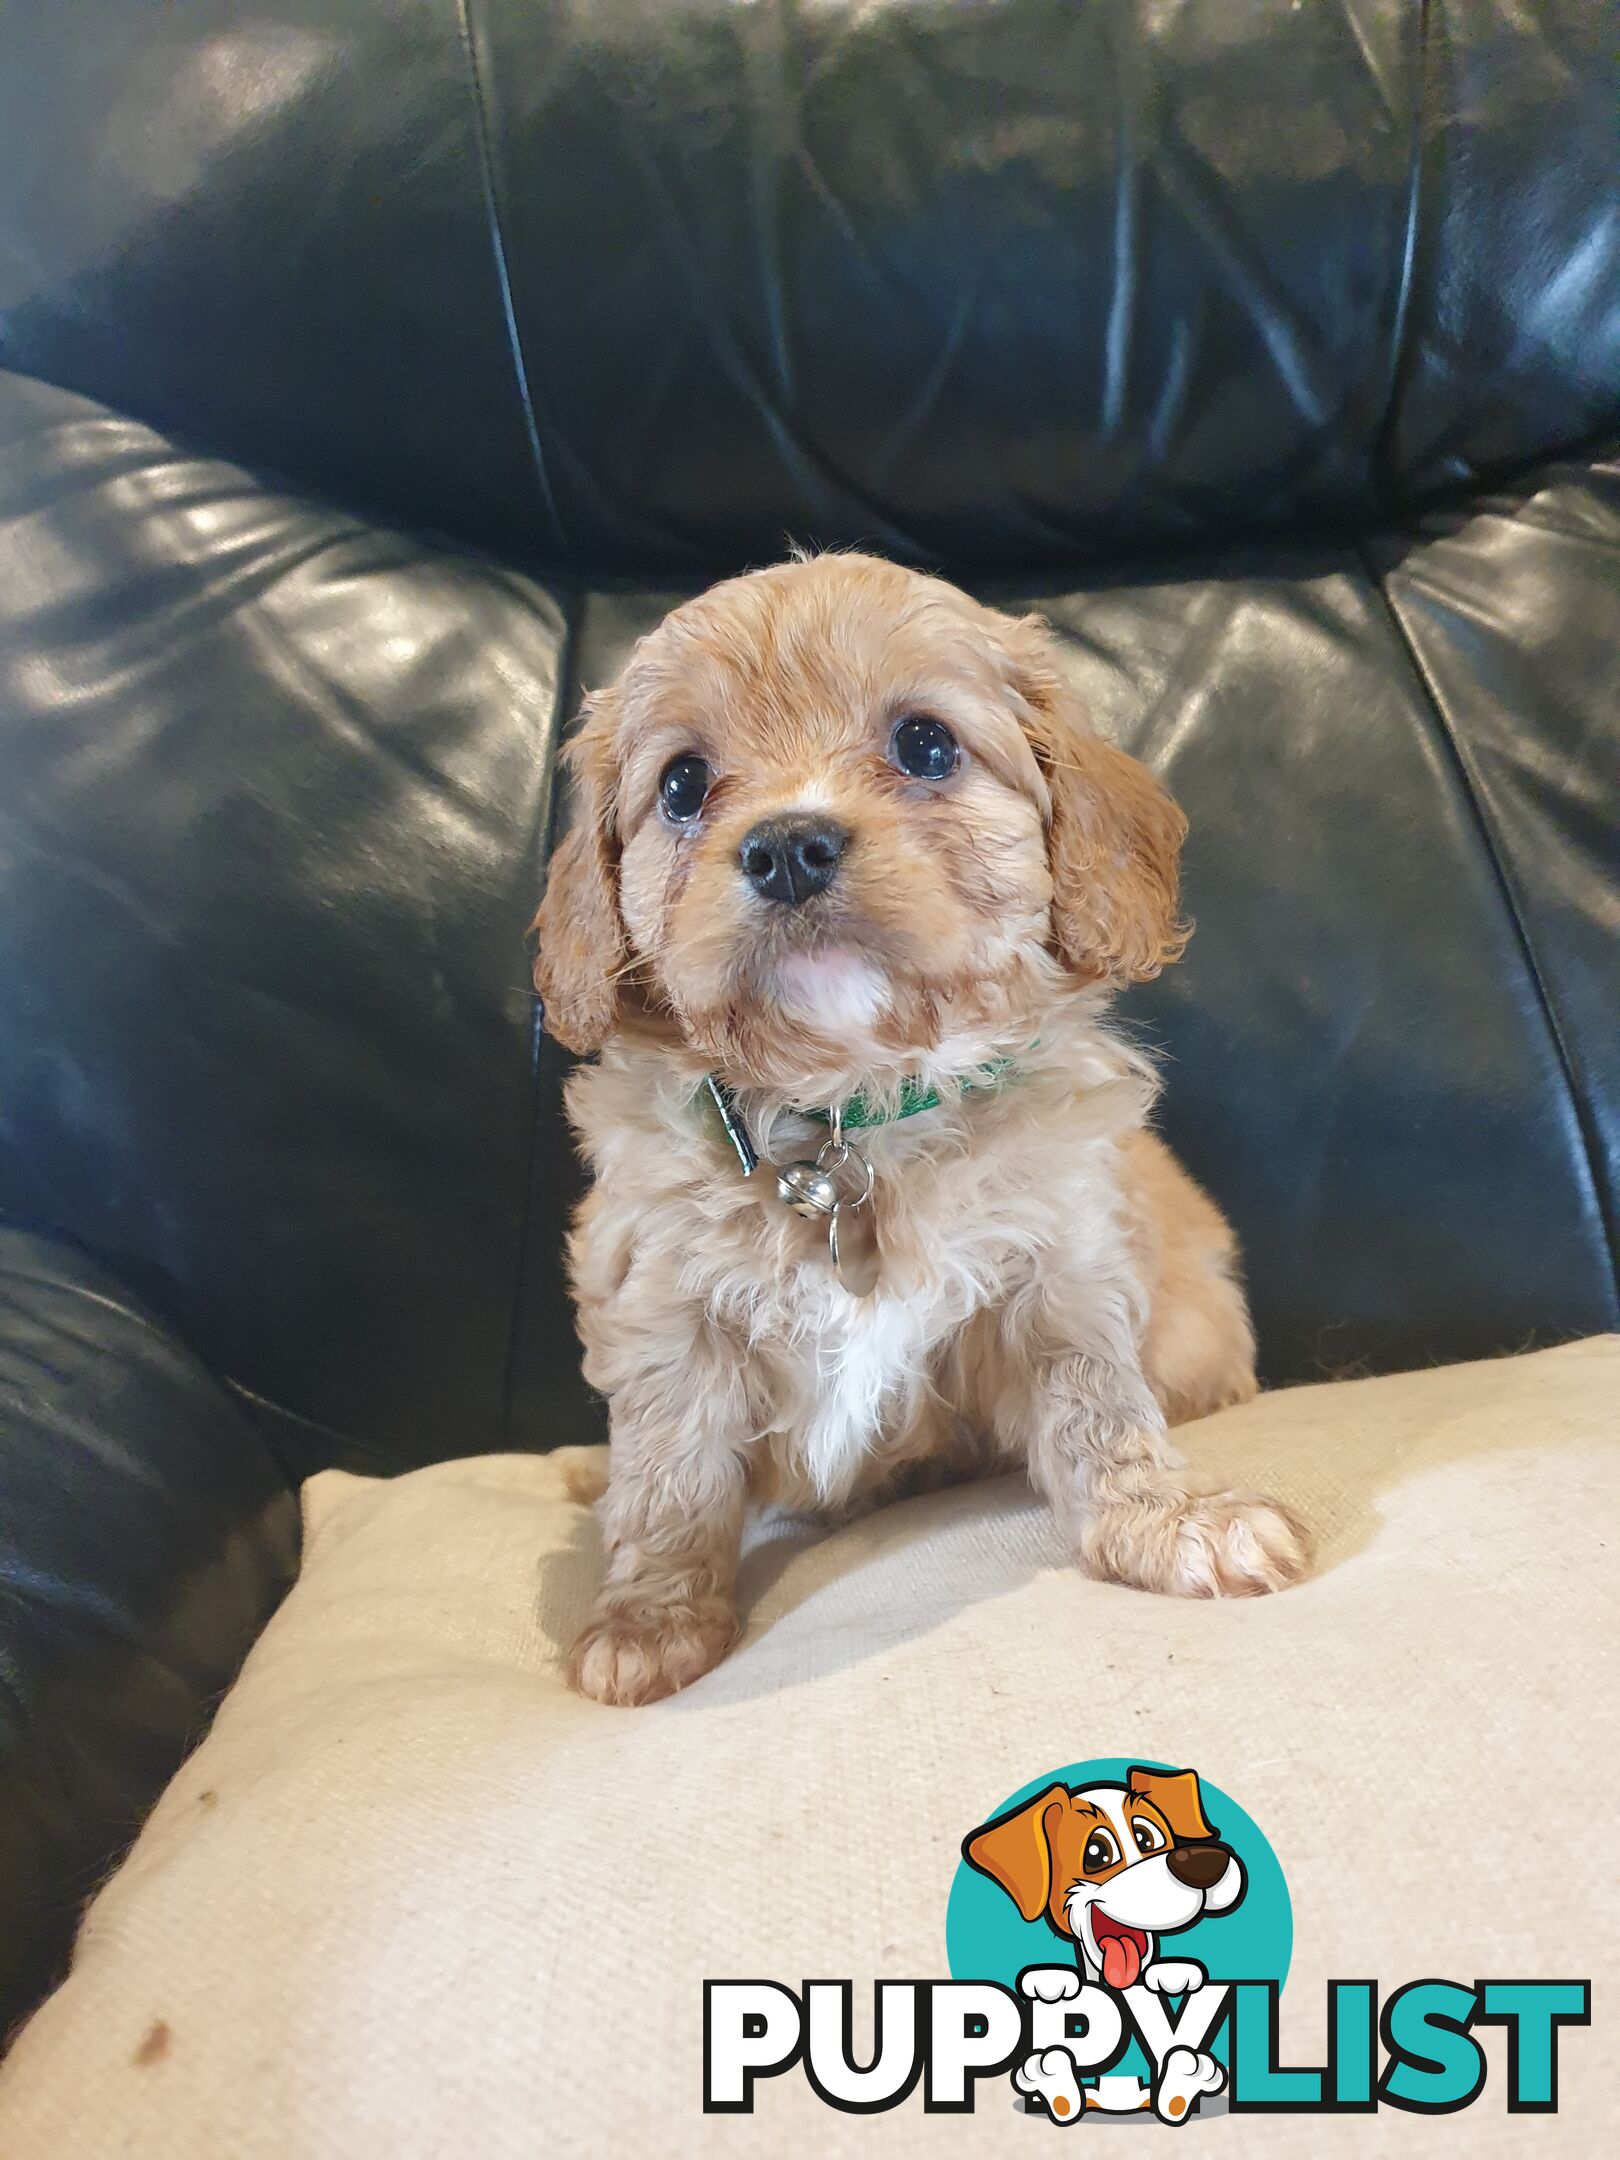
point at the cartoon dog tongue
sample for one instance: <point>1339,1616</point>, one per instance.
<point>1121,1959</point>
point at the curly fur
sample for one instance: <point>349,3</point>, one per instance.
<point>1055,1289</point>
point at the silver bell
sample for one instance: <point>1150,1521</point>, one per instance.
<point>807,1189</point>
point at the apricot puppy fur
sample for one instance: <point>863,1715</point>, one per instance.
<point>839,829</point>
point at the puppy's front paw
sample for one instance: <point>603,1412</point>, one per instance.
<point>640,1655</point>
<point>1222,1544</point>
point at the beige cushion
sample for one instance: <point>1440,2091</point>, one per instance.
<point>414,1898</point>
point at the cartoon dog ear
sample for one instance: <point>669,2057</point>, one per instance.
<point>1115,837</point>
<point>1016,1850</point>
<point>580,939</point>
<point>1176,1795</point>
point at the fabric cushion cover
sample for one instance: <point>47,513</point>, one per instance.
<point>413,1895</point>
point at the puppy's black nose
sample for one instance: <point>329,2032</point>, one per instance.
<point>1200,1867</point>
<point>789,858</point>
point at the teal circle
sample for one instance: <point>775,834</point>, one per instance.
<point>987,1938</point>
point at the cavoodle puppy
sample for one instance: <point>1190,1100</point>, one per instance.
<point>850,874</point>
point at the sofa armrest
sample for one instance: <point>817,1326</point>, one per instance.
<point>146,1535</point>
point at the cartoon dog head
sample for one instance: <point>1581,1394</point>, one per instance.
<point>1112,1867</point>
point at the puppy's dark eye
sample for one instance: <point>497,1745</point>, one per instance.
<point>684,787</point>
<point>924,747</point>
<point>1100,1852</point>
<point>1149,1837</point>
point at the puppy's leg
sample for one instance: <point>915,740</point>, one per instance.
<point>1198,1344</point>
<point>1075,1402</point>
<point>672,1523</point>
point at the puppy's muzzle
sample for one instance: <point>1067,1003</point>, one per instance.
<point>1200,1867</point>
<point>789,859</point>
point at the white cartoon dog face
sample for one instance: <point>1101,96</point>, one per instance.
<point>1112,1867</point>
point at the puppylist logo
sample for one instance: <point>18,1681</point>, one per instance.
<point>1118,1935</point>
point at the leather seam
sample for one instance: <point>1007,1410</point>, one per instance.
<point>1507,887</point>
<point>546,830</point>
<point>1400,366</point>
<point>503,275</point>
<point>340,1445</point>
<point>144,1322</point>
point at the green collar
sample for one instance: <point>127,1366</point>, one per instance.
<point>859,1115</point>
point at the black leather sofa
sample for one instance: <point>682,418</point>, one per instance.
<point>373,372</point>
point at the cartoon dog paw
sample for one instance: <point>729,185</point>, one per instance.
<point>1183,2080</point>
<point>1049,1983</point>
<point>1050,2077</point>
<point>1174,1976</point>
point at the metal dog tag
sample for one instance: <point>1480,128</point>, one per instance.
<point>837,1189</point>
<point>852,1240</point>
<point>852,1232</point>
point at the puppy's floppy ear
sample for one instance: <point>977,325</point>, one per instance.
<point>1115,836</point>
<point>1016,1850</point>
<point>580,948</point>
<point>1176,1795</point>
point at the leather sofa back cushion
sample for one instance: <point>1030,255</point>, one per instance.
<point>637,288</point>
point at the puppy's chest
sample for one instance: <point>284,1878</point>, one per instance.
<point>842,1382</point>
<point>943,1254</point>
<point>837,1382</point>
